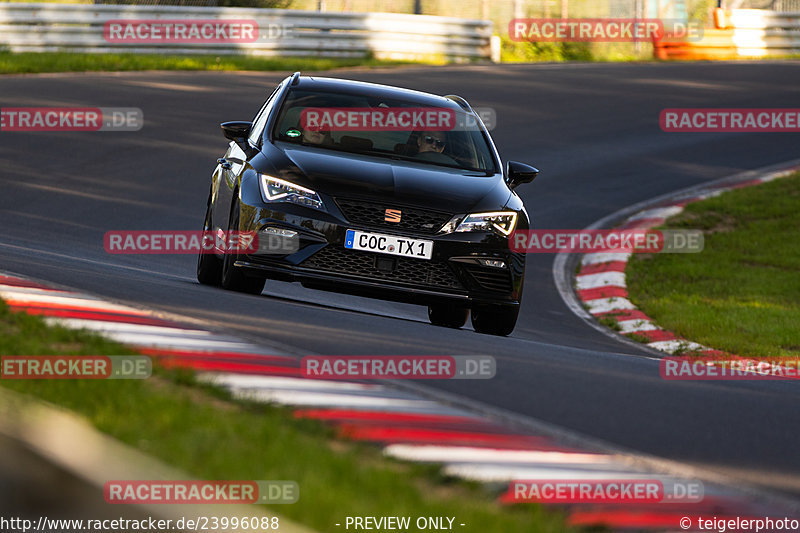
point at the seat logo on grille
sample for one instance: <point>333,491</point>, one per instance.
<point>393,215</point>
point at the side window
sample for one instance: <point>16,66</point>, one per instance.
<point>261,119</point>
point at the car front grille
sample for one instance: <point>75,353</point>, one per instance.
<point>411,219</point>
<point>365,265</point>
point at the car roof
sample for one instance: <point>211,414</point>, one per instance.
<point>336,85</point>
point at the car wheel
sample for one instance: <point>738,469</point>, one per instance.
<point>233,278</point>
<point>209,266</point>
<point>447,316</point>
<point>495,320</point>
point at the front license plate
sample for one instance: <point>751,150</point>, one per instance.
<point>388,244</point>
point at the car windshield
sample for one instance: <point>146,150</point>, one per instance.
<point>394,129</point>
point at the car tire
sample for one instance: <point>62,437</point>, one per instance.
<point>495,319</point>
<point>233,278</point>
<point>209,266</point>
<point>448,316</point>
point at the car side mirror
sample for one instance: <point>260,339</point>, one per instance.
<point>519,173</point>
<point>238,131</point>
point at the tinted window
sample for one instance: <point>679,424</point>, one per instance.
<point>394,129</point>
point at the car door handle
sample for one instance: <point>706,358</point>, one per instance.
<point>224,163</point>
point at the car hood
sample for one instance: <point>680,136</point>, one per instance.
<point>346,175</point>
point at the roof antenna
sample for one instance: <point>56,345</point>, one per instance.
<point>295,79</point>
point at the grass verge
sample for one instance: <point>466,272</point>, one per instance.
<point>742,293</point>
<point>201,430</point>
<point>31,63</point>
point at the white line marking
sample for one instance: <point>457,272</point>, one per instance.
<point>500,473</point>
<point>125,327</point>
<point>65,300</point>
<point>657,212</point>
<point>331,400</point>
<point>244,381</point>
<point>601,279</point>
<point>604,305</point>
<point>603,257</point>
<point>465,454</point>
<point>632,326</point>
<point>675,345</point>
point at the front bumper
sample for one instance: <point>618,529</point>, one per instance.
<point>452,275</point>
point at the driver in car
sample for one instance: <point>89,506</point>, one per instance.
<point>431,141</point>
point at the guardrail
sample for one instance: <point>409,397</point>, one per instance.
<point>757,32</point>
<point>739,33</point>
<point>279,32</point>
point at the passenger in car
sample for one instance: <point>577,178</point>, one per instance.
<point>316,136</point>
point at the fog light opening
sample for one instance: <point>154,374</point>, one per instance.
<point>281,232</point>
<point>492,263</point>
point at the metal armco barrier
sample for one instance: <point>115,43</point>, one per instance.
<point>80,28</point>
<point>739,33</point>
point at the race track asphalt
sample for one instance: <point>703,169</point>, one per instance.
<point>592,129</point>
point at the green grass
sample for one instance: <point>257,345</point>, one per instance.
<point>201,430</point>
<point>515,51</point>
<point>742,293</point>
<point>610,322</point>
<point>30,62</point>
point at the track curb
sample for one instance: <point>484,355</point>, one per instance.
<point>594,285</point>
<point>407,424</point>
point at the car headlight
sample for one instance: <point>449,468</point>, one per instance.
<point>502,222</point>
<point>277,190</point>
